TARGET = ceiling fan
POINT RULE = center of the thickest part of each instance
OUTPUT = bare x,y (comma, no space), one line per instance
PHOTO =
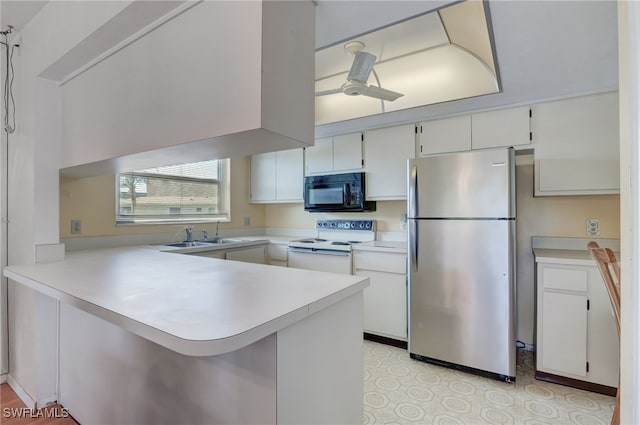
358,76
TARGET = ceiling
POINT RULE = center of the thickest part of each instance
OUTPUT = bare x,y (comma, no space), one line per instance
544,49
435,57
18,13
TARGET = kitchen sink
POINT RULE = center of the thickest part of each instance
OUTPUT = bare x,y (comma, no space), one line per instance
220,241
186,244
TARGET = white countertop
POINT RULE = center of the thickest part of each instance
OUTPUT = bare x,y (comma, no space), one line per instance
565,256
192,305
382,246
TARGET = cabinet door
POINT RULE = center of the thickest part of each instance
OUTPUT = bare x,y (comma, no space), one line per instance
505,127
319,158
564,333
385,304
289,176
263,177
347,152
445,135
220,254
255,254
577,146
386,152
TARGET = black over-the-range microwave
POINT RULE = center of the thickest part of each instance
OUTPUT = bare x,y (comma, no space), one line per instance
336,193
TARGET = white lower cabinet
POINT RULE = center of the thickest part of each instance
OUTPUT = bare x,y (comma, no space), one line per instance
277,254
576,333
254,254
218,253
385,300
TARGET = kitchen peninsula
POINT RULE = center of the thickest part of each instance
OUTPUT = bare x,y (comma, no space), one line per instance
146,336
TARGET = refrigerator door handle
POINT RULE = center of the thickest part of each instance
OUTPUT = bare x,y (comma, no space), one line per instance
413,244
413,191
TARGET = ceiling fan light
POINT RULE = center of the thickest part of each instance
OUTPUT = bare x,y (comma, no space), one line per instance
353,88
361,67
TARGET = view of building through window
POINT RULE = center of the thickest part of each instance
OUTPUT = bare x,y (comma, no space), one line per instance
187,192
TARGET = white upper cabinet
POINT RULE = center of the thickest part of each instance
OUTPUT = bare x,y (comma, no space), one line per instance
577,146
289,175
263,177
386,152
444,135
347,152
277,176
504,127
334,155
319,158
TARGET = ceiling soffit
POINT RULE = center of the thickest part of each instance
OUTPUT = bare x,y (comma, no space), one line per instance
436,57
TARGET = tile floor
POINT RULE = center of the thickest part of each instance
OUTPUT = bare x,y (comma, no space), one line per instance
399,390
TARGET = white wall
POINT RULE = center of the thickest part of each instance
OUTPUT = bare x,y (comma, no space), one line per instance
34,152
196,85
171,86
629,48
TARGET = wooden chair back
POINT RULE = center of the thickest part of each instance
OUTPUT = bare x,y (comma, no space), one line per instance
610,271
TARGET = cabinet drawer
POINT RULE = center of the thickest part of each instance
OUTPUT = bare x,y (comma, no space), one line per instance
220,253
380,261
277,252
565,279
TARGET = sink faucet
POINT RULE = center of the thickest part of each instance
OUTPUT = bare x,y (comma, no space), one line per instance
205,235
189,231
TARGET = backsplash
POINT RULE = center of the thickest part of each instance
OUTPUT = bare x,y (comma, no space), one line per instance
387,216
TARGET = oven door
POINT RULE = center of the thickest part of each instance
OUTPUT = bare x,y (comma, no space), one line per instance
320,260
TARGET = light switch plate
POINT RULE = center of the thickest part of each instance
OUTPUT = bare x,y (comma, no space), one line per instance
593,226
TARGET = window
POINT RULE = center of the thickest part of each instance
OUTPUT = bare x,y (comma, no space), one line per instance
193,192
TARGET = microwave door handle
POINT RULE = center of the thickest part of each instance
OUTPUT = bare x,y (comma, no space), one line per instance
346,195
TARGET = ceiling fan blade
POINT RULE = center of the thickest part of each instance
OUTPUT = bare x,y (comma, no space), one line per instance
361,67
380,93
326,92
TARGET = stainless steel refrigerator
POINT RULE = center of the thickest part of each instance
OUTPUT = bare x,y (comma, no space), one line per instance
461,225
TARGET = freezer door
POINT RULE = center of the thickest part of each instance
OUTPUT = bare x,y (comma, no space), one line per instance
466,184
461,293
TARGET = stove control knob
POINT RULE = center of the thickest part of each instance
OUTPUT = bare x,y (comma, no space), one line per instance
353,225
368,225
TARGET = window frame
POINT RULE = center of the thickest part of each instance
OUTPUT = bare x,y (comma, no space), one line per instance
224,189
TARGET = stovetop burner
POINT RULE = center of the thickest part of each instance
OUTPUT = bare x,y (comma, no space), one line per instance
314,240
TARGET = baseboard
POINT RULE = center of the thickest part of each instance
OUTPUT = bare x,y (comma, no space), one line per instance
3,378
21,393
576,383
47,401
385,340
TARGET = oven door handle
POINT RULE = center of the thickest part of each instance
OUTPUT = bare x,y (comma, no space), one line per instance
320,251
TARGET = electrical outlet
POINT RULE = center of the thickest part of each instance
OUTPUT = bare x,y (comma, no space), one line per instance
593,226
76,227
247,220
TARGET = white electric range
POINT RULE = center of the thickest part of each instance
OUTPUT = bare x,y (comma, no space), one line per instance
330,250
